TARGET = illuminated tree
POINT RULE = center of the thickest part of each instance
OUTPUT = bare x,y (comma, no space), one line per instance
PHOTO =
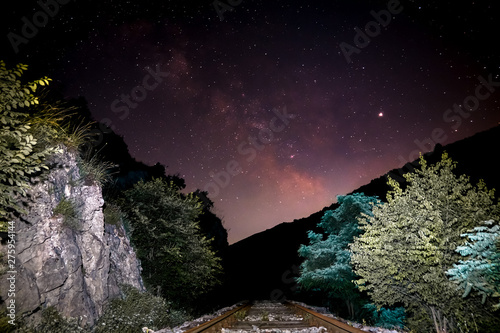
327,266
480,272
409,243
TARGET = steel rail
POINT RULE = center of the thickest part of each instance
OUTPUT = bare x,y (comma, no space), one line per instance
223,321
314,318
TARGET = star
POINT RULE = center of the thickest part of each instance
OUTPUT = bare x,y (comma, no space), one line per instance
220,93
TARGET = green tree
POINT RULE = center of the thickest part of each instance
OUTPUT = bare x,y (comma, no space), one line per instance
327,265
481,271
176,260
21,155
409,243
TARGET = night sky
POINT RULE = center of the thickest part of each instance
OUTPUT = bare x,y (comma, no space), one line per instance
274,107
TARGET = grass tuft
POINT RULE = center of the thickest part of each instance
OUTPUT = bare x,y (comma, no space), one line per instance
67,209
95,170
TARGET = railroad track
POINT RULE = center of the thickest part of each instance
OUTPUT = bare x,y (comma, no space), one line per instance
273,317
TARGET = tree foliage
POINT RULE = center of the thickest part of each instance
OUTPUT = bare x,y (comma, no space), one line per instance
409,243
176,260
386,318
21,155
481,271
327,266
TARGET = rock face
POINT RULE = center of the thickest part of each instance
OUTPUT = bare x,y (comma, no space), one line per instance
70,260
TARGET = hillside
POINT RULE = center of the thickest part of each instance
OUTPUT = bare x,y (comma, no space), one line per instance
263,265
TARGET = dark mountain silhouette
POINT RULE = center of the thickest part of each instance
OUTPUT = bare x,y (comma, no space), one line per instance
263,265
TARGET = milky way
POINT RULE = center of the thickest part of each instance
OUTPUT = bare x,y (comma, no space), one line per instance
282,105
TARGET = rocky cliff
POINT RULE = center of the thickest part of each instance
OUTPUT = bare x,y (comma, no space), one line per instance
66,256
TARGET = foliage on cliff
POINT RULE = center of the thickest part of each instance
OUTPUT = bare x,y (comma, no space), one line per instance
21,155
31,130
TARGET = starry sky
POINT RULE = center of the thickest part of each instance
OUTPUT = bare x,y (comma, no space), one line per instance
273,107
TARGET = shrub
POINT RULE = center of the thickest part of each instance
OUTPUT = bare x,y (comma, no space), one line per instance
386,318
21,155
53,322
112,214
136,310
3,263
5,326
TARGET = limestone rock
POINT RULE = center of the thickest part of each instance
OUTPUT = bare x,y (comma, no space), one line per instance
76,267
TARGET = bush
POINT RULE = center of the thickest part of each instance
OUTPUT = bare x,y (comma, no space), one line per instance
386,318
53,322
21,155
112,215
4,323
3,264
136,310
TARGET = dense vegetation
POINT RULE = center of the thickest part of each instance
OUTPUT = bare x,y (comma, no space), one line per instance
176,259
22,153
431,248
327,270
